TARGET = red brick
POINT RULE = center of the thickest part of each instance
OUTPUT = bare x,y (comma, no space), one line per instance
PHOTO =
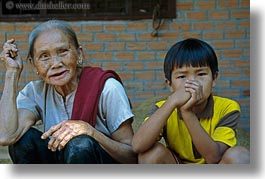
2,39
93,28
169,36
76,28
124,56
7,27
112,65
18,37
225,25
245,3
223,44
244,24
145,75
213,35
246,53
180,26
196,15
184,6
94,46
232,53
158,45
156,85
133,85
22,27
222,83
243,44
137,26
205,5
224,64
22,46
219,15
105,37
126,75
229,93
228,4
203,26
242,63
115,46
136,46
115,27
102,56
240,14
154,65
246,93
235,34
241,83
244,102
186,35
134,65
126,37
145,37
82,37
146,56
160,74
161,55
247,73
232,73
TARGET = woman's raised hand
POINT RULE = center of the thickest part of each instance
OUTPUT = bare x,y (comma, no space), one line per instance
10,56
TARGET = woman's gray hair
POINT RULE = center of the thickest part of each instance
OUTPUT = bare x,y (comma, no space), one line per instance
48,25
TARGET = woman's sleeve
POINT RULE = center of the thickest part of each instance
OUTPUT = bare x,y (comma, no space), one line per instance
26,100
114,105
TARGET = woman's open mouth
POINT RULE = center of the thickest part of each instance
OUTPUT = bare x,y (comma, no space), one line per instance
58,76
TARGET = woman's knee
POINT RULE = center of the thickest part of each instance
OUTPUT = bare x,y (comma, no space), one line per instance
81,149
236,155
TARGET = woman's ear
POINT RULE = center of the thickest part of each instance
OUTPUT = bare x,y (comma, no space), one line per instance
31,61
215,78
81,53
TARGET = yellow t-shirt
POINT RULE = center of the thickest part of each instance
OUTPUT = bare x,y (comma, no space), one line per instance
219,120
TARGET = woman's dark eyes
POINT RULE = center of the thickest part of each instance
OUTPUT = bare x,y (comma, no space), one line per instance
63,52
44,57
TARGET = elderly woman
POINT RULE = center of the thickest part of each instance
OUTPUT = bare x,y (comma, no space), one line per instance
85,111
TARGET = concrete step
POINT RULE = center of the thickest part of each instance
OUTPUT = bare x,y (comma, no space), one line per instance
4,156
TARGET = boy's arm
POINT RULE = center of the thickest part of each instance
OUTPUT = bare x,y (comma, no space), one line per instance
149,131
210,150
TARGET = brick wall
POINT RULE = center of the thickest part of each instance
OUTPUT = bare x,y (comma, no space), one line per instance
128,48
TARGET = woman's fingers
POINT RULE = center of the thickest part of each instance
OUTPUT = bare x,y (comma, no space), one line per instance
10,49
63,132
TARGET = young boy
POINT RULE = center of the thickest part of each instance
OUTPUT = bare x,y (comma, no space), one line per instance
197,126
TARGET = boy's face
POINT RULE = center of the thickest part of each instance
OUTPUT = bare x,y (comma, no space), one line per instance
200,75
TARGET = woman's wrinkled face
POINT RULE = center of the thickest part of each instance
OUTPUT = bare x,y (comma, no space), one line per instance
55,58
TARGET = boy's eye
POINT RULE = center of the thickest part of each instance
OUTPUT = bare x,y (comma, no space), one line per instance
202,74
181,76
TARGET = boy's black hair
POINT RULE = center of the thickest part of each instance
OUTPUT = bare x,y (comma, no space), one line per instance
190,52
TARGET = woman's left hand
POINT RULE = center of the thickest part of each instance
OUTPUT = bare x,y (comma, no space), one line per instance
63,132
